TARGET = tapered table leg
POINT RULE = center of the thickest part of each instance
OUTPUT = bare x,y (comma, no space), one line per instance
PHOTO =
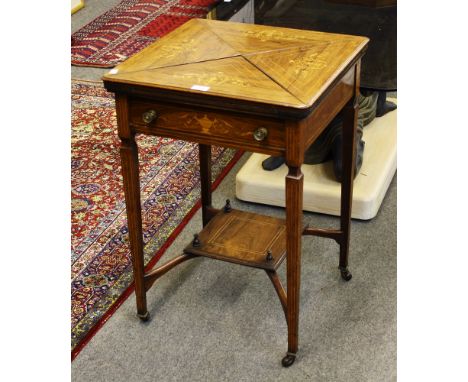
294,227
350,113
204,152
131,182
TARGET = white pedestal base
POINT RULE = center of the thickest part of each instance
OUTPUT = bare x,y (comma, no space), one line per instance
321,191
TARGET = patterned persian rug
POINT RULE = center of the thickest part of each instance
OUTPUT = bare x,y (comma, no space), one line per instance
101,273
129,27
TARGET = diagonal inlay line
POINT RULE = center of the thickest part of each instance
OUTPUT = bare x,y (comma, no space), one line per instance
272,79
246,56
255,66
284,75
223,50
174,65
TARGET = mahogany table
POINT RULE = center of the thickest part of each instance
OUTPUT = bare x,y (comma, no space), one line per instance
250,87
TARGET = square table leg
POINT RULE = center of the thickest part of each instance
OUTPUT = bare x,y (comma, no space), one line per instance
294,228
131,182
204,154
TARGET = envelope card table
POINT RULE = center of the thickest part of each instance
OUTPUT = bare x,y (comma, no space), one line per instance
250,87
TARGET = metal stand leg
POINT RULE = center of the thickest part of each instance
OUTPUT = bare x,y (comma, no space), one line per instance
350,113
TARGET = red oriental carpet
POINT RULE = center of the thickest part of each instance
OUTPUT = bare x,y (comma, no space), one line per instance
101,274
129,27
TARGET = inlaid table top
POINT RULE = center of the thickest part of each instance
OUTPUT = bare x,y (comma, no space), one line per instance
283,67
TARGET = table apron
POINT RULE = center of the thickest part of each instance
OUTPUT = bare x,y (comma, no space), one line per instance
207,126
212,140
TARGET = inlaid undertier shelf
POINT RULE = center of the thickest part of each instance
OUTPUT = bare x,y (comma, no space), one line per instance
237,237
242,238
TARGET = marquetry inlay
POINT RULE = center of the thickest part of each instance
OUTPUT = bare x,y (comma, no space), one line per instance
278,66
244,238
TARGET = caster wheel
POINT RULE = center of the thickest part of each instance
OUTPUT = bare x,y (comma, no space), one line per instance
345,274
288,360
144,317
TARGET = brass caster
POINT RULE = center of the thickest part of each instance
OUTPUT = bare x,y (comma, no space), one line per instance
288,360
345,274
144,317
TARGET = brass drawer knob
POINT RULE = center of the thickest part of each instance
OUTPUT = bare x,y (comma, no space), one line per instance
149,116
260,134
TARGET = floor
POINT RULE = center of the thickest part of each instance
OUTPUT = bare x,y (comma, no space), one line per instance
213,321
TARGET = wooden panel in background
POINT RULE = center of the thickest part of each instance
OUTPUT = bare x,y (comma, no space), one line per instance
367,3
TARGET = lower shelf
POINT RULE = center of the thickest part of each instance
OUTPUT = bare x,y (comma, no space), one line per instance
243,238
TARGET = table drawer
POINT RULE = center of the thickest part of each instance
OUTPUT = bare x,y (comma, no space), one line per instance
209,127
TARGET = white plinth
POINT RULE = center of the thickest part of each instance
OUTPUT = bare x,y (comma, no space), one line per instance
76,5
321,191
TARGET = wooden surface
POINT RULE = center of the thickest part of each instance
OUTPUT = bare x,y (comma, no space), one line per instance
276,66
243,238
